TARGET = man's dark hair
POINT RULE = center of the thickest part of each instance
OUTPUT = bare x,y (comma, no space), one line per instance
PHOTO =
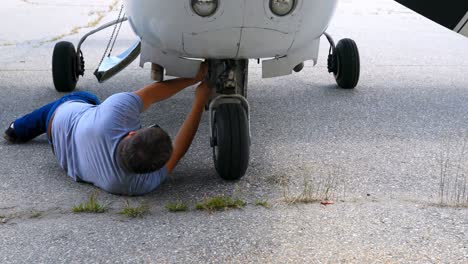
146,151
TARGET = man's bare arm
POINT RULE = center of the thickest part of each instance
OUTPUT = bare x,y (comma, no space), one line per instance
157,92
189,128
163,90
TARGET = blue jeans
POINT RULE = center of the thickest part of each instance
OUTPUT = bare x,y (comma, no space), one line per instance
36,122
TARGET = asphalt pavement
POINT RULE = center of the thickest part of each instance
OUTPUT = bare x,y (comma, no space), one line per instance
378,152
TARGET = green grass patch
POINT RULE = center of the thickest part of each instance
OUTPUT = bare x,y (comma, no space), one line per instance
178,206
135,212
91,206
36,215
218,203
308,195
262,203
7,44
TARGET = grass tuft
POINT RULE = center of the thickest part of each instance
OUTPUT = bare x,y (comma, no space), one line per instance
7,44
218,203
135,212
308,195
36,215
263,203
91,206
322,183
178,206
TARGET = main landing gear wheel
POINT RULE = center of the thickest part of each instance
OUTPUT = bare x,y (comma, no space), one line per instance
65,67
345,64
231,141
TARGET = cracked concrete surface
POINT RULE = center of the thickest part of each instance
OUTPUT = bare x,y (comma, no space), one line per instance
31,21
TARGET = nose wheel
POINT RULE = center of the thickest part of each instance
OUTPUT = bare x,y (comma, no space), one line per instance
230,140
344,62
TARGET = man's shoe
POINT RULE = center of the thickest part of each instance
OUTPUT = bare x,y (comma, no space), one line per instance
10,134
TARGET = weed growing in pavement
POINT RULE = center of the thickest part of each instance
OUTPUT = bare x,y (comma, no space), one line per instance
218,203
91,206
134,212
263,203
36,215
308,195
453,178
321,188
7,44
178,206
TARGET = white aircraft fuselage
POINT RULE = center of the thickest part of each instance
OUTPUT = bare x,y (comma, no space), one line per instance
173,34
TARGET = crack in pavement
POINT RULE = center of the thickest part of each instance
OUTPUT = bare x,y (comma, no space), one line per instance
100,14
29,2
58,212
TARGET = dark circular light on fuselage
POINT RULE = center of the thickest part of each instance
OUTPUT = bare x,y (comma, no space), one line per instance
282,7
204,8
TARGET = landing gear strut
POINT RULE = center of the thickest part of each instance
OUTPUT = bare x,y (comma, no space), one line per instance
68,64
229,118
344,62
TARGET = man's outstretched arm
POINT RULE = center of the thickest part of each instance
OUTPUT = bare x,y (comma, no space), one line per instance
157,92
189,128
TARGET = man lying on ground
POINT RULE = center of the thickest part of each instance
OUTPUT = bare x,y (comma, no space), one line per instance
104,144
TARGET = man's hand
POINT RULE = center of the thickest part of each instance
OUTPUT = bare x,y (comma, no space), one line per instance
202,72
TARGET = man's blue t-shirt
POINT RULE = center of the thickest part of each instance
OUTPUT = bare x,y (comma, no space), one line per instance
85,139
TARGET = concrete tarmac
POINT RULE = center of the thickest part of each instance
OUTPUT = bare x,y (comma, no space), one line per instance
380,150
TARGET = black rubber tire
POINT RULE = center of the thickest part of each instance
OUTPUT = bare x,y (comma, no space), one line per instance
232,141
64,64
348,64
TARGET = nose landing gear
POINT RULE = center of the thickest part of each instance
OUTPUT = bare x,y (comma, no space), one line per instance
229,118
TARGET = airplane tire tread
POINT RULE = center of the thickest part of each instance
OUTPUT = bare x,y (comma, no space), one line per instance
348,70
232,140
64,67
